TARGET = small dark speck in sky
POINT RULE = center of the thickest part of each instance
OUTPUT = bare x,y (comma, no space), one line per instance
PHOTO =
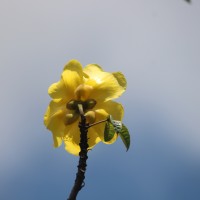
189,1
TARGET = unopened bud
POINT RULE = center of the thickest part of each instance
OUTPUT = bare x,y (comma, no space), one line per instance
70,118
83,91
90,103
90,117
72,105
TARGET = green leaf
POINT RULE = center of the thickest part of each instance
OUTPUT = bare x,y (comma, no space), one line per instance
109,132
113,126
125,136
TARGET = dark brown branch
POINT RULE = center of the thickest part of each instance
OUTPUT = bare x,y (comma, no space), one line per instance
80,176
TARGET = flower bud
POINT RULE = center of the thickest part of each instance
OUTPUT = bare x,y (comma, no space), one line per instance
70,118
89,104
72,105
90,117
83,91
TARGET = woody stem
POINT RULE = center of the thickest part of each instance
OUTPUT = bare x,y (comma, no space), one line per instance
80,176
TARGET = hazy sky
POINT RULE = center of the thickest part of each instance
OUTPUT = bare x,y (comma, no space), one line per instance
156,44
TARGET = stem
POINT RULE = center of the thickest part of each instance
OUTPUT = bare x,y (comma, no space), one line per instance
97,123
80,176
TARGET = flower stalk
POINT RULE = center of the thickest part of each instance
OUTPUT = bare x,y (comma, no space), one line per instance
80,176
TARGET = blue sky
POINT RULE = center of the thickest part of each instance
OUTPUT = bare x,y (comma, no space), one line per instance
155,44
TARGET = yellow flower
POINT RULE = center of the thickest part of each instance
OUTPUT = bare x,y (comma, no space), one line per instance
94,89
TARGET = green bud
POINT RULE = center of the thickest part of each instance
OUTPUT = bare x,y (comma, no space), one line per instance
89,104
70,118
72,105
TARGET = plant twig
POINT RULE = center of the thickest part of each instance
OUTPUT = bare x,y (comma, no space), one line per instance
80,176
97,123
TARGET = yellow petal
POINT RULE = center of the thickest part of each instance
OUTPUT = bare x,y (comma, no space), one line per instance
121,79
58,90
73,65
92,68
72,132
56,125
72,76
54,108
57,141
93,138
54,119
72,147
101,114
72,139
108,108
105,86
112,108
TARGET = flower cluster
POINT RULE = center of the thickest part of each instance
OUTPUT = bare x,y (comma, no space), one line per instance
95,90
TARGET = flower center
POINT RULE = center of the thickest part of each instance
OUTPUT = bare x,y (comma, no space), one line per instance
82,101
87,105
74,106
